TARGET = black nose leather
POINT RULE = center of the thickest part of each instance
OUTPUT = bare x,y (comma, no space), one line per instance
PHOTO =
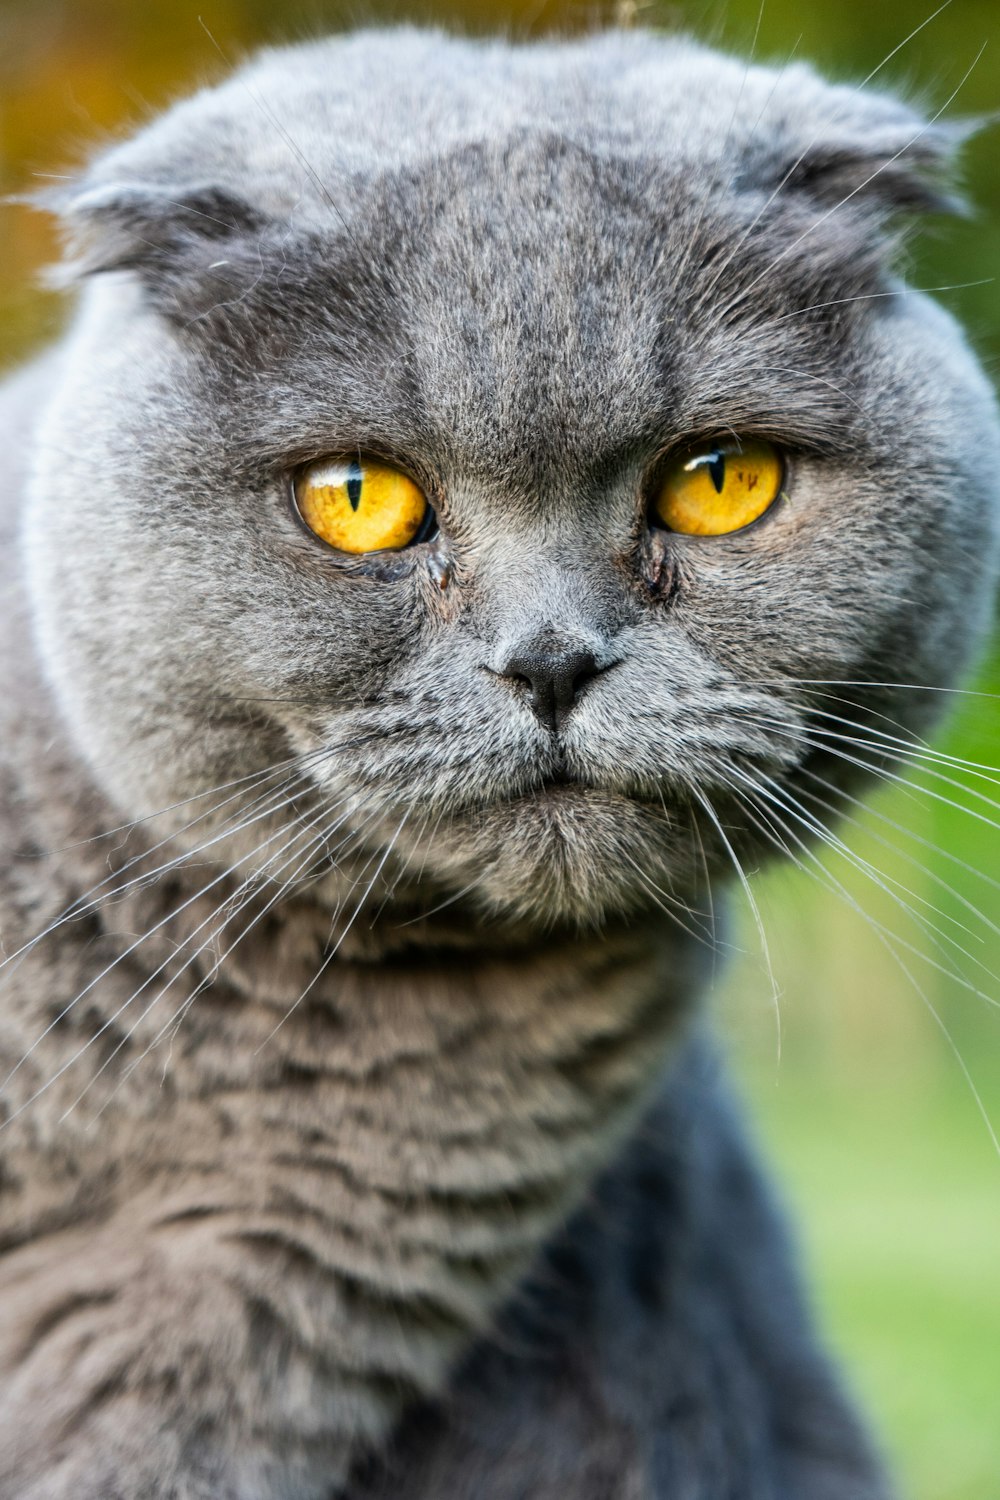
553,678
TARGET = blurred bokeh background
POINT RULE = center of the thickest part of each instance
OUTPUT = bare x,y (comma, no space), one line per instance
877,1105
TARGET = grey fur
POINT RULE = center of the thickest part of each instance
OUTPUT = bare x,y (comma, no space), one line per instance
337,1241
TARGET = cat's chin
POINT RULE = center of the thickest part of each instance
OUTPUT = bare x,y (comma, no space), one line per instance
563,853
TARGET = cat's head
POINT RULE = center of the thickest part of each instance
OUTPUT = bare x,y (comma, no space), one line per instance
632,458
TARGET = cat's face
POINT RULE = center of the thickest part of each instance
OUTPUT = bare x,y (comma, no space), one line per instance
534,283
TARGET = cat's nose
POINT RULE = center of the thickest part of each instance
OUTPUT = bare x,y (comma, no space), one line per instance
553,679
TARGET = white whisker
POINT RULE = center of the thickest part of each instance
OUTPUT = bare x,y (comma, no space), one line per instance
752,901
334,950
127,952
889,940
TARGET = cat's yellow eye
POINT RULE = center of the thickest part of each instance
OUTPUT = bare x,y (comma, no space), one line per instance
720,487
357,505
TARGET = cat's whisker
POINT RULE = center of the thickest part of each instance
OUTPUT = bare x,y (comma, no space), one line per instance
889,940
355,843
945,943
874,812
336,946
799,373
679,270
442,905
671,906
173,1024
96,895
242,782
708,916
910,834
913,752
871,682
130,1032
782,797
825,805
289,140
953,1046
107,891
752,902
266,875
868,711
899,291
247,889
896,849
713,925
828,740
81,1051
112,1019
906,733
137,943
911,745
907,744
428,843
948,970
751,792
230,911
418,840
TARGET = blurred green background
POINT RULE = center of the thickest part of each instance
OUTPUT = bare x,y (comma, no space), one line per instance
870,1107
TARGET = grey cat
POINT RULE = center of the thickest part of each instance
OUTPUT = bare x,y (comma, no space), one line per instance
468,470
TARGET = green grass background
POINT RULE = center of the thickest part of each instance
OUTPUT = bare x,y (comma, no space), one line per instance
867,1111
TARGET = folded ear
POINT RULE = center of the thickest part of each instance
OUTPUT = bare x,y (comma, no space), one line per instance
871,151
186,246
896,176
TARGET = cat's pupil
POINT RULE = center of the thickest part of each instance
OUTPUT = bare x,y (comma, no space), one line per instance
717,469
354,485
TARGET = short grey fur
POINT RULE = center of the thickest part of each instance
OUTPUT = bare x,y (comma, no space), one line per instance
361,1136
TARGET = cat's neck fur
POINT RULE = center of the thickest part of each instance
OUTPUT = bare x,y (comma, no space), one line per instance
373,1168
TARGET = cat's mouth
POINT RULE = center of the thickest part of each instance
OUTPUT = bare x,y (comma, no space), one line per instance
558,783
556,779
554,791
558,775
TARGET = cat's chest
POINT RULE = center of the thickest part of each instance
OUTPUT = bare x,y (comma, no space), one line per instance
488,1089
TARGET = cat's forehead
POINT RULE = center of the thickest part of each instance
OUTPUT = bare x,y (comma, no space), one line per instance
534,282
302,124
541,309
538,255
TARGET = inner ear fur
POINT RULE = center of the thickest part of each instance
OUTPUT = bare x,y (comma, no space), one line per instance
913,179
